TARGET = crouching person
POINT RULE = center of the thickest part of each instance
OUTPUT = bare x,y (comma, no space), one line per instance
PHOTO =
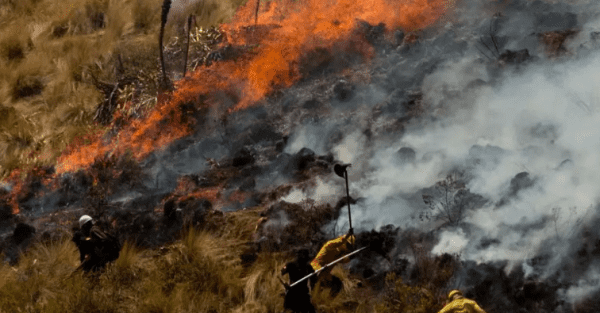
96,248
331,251
459,304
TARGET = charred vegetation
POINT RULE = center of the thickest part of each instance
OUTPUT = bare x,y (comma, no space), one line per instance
192,174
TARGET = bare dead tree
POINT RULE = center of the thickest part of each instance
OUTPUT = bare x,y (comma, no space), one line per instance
495,53
164,16
447,202
191,19
165,13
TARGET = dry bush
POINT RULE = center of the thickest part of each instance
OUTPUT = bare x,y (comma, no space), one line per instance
237,227
27,86
18,141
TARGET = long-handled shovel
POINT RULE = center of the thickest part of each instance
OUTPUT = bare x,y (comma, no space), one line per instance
326,266
340,170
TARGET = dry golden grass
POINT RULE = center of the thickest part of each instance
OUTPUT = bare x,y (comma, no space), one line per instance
202,272
50,49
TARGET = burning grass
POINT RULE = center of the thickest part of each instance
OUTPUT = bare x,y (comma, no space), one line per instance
210,187
49,50
280,48
85,82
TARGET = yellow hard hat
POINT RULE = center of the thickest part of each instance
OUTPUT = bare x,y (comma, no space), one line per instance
454,292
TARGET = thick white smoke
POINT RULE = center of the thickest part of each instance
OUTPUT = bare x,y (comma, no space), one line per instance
321,192
452,242
311,137
295,196
540,118
277,223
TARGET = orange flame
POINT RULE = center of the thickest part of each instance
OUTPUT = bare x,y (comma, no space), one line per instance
301,26
288,29
186,189
21,180
16,190
211,194
161,127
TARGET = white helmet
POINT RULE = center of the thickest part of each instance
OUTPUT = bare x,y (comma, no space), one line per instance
84,219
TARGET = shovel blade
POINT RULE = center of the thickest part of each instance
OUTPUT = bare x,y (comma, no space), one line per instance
339,169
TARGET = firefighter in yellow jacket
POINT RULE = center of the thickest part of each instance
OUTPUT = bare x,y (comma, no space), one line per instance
460,304
331,251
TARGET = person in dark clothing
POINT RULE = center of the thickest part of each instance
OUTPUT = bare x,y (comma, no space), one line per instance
297,298
17,243
96,248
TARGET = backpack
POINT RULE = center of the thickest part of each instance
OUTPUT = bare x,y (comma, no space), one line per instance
111,248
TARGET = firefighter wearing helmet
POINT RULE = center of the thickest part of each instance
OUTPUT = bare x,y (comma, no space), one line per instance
331,251
459,304
96,248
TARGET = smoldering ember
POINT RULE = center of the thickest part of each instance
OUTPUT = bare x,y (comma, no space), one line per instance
470,127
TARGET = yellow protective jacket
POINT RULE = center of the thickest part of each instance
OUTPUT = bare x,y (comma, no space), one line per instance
331,251
462,305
